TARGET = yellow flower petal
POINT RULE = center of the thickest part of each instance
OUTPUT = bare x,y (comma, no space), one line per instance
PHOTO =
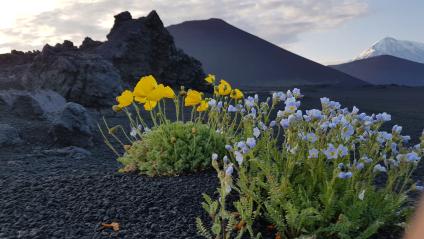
193,98
169,93
210,79
125,99
146,85
203,106
236,94
140,100
157,94
150,105
224,88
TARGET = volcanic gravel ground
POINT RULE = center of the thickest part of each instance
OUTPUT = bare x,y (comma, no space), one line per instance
75,206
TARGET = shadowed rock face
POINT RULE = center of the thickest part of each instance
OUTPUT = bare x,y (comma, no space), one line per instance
94,73
143,46
78,76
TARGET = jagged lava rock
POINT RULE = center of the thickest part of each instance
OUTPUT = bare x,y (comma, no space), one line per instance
9,136
143,46
74,126
78,76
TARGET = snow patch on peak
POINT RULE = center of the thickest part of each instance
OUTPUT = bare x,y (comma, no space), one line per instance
410,50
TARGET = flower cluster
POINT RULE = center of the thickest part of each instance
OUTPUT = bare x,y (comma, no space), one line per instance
312,173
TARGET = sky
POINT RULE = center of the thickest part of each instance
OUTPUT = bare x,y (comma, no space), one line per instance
326,31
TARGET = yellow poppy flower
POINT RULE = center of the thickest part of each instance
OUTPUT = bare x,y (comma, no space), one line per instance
144,87
125,99
224,88
210,79
150,105
203,106
193,98
236,94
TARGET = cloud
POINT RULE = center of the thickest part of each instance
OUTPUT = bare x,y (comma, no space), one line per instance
279,21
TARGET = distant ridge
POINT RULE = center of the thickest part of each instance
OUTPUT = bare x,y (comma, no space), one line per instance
385,70
247,60
409,50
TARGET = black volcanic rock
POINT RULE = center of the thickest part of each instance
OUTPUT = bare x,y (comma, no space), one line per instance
246,60
74,126
78,76
89,44
143,46
385,70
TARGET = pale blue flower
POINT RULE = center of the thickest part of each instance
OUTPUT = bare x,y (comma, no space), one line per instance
229,170
272,124
347,131
241,144
225,159
366,159
296,92
324,101
397,129
249,101
251,142
239,157
214,156
231,108
384,117
331,152
341,166
359,166
212,103
280,114
345,175
311,137
412,157
219,105
313,114
393,146
313,153
342,151
279,95
228,147
355,110
262,125
133,132
379,168
253,112
256,132
285,123
406,138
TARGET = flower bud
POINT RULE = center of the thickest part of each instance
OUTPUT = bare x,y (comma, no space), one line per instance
193,130
127,147
116,108
173,140
113,129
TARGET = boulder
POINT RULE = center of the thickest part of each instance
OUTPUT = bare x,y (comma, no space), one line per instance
81,77
9,136
74,126
40,104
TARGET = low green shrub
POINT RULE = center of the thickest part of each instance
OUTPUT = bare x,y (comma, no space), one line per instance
174,148
328,173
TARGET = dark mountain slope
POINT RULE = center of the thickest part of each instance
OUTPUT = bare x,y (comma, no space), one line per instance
247,60
384,70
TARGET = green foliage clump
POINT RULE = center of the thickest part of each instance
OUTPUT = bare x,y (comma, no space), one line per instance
322,173
174,148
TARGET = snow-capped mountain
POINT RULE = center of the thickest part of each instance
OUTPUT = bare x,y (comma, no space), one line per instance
410,50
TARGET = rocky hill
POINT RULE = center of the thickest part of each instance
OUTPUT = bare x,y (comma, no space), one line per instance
93,73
